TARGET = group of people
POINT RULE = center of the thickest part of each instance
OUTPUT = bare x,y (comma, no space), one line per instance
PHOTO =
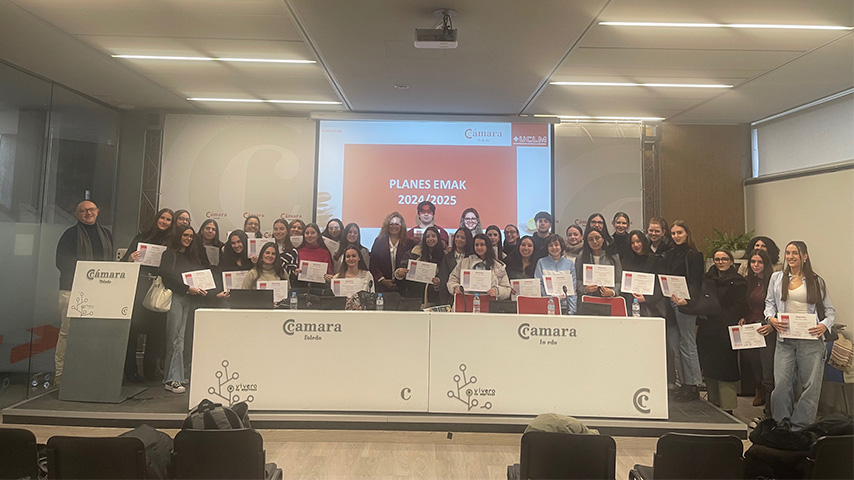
698,349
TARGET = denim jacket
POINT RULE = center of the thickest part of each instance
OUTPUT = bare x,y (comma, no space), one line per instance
774,303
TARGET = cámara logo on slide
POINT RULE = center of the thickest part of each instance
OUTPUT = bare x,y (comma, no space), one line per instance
471,133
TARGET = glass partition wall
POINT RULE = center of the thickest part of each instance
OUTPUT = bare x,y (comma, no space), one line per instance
56,149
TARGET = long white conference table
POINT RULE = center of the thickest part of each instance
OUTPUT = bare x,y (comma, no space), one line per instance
420,362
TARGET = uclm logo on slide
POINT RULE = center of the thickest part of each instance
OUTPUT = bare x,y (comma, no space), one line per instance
530,135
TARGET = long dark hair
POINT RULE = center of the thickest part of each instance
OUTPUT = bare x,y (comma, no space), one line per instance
500,247
469,247
216,242
246,222
767,269
587,252
154,235
342,270
344,244
689,240
278,267
814,283
229,256
634,260
178,213
489,257
320,242
608,240
287,246
773,249
340,229
194,251
433,254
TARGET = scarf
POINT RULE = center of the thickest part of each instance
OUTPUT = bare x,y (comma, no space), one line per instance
84,243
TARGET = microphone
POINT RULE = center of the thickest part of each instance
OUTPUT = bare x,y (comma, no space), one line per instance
565,291
370,285
465,304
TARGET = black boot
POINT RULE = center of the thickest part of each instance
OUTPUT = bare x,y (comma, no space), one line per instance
687,393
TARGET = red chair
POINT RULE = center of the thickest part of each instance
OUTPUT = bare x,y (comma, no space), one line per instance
536,305
466,306
617,304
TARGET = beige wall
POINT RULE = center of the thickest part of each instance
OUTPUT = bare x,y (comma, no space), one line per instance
703,169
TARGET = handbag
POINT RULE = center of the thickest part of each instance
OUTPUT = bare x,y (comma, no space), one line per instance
706,301
158,298
841,354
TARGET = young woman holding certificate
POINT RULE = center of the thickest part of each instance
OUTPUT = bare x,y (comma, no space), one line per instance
594,254
684,260
252,226
462,245
717,358
760,359
183,255
429,250
352,236
521,263
234,255
555,261
796,291
641,259
297,227
268,268
313,249
287,252
483,259
353,266
494,234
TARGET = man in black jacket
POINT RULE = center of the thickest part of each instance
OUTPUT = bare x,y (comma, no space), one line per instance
87,240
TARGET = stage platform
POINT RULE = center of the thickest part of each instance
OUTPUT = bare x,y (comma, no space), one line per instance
162,409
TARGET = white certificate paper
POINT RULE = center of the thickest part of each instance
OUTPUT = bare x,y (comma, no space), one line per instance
674,285
555,281
476,280
149,254
213,254
638,282
525,287
312,271
254,247
296,240
421,272
799,325
200,279
344,287
745,336
279,288
601,275
233,280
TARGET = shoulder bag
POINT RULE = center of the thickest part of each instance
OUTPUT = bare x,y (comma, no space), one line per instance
158,298
705,302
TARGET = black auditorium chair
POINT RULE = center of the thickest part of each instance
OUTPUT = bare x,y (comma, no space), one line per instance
391,300
502,306
832,457
214,454
548,455
333,303
687,455
409,305
95,458
19,455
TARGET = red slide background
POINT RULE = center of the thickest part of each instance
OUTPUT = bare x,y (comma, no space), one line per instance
489,172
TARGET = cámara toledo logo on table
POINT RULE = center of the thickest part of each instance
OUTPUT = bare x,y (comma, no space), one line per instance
105,276
526,331
311,330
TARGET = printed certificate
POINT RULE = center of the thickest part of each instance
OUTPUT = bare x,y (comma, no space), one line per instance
525,287
255,245
312,271
150,254
476,280
601,275
799,325
344,287
555,281
279,288
233,280
674,285
745,336
200,279
213,254
638,283
421,272
296,240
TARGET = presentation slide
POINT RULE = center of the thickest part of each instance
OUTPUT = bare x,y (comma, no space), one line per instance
368,169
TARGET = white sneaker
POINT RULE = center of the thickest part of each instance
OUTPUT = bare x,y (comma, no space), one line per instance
175,387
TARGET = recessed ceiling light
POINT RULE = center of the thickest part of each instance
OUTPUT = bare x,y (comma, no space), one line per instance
726,25
211,59
627,84
255,100
402,86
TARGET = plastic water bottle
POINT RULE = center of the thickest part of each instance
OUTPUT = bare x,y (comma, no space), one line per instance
380,301
551,306
635,308
293,305
475,304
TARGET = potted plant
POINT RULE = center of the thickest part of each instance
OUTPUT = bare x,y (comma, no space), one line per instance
733,243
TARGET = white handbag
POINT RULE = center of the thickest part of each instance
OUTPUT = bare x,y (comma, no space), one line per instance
159,298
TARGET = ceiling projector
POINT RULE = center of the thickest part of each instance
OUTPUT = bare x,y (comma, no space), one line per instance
435,38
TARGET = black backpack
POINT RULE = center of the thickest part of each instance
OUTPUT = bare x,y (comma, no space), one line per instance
214,416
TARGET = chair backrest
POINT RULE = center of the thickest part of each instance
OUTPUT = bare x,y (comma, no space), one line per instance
19,455
463,303
502,306
686,455
96,458
212,454
617,304
333,303
548,455
536,305
832,457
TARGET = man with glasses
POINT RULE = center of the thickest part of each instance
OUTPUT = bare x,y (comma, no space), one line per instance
541,236
426,218
87,240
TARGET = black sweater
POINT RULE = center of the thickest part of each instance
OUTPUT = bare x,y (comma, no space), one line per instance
173,264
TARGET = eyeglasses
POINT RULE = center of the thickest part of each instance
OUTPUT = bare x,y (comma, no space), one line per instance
87,210
721,259
597,222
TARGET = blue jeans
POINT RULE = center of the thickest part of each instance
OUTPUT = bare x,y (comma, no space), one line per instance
682,337
176,329
797,361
